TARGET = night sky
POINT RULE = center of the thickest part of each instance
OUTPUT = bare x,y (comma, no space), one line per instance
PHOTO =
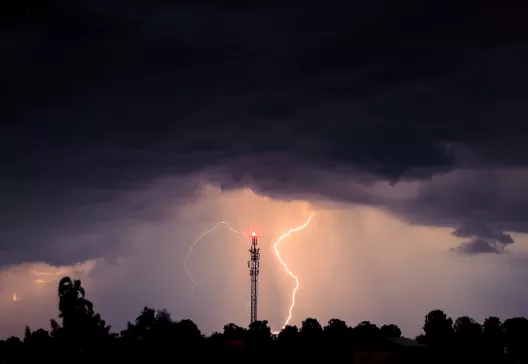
130,127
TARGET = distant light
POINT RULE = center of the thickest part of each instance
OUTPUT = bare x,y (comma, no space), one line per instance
253,234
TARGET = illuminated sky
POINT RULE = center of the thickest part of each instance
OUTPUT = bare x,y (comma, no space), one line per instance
131,129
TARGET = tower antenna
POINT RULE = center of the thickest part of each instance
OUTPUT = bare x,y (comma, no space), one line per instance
253,265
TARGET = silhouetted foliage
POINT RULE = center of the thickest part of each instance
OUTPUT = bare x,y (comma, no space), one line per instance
234,332
155,337
493,337
468,331
365,330
390,331
73,306
289,335
336,328
311,328
259,331
258,336
438,329
515,333
468,338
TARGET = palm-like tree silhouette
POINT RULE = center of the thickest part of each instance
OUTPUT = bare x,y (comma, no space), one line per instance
73,307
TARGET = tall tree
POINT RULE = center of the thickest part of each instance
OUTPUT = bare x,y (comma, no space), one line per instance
515,332
336,334
493,337
84,331
468,335
467,328
438,329
311,335
73,306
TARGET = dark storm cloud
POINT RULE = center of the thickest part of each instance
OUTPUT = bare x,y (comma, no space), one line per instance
480,203
469,229
102,98
477,246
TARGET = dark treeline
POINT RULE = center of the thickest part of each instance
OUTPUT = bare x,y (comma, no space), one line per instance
84,337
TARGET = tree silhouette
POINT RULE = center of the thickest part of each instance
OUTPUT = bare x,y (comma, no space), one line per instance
515,330
55,328
336,334
73,306
258,336
390,330
151,325
467,330
144,323
468,337
84,337
163,317
493,338
365,330
234,332
83,332
36,344
13,349
336,328
311,328
187,333
438,329
288,335
311,334
259,331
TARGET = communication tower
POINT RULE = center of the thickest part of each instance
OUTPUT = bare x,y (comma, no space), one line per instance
253,265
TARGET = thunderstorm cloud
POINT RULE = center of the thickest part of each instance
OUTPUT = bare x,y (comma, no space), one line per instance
120,118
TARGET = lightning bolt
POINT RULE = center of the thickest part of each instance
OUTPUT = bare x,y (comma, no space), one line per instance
196,242
42,281
246,308
275,248
50,274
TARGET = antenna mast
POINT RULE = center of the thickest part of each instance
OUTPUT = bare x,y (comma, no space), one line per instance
253,265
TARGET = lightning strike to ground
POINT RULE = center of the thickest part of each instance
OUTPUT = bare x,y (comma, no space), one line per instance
196,242
275,248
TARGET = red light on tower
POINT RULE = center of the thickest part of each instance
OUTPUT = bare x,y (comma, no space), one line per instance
253,234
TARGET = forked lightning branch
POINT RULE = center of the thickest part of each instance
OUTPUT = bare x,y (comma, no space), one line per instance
254,265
